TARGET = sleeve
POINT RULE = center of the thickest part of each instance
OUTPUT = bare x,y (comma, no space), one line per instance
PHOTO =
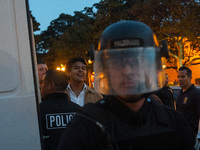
198,103
81,134
188,138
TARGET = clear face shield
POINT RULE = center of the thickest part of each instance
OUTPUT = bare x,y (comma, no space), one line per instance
128,71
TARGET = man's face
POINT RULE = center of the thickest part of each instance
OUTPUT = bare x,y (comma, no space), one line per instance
42,68
78,72
166,80
123,76
45,88
183,80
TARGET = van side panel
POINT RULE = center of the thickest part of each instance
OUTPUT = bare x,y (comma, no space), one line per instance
19,128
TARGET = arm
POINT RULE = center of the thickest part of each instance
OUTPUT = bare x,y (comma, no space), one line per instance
81,134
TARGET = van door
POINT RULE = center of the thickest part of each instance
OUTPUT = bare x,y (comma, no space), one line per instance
19,125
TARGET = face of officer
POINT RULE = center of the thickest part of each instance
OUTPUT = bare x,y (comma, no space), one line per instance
77,72
184,80
166,80
42,68
123,77
46,87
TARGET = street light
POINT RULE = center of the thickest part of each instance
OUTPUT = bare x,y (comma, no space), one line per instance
62,68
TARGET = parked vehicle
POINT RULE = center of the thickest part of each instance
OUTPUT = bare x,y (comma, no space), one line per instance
176,90
19,98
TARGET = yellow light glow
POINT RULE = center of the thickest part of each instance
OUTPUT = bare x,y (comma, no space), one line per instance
102,75
62,68
164,66
89,61
58,68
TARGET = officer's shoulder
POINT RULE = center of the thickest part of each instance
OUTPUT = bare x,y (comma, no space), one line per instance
168,110
196,90
72,104
98,105
94,110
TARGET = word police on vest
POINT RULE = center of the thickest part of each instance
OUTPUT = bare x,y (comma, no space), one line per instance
59,120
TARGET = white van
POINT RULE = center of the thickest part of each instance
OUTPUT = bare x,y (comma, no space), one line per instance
19,92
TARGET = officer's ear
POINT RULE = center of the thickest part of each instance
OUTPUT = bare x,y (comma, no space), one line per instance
51,85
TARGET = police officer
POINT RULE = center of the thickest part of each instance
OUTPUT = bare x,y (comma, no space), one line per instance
127,69
56,109
166,94
188,100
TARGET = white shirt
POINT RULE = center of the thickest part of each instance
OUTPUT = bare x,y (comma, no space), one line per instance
80,99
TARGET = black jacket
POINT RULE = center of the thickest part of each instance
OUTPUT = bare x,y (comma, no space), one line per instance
56,112
109,124
188,103
166,96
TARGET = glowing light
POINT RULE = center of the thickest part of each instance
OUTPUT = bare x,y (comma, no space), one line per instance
102,75
62,68
164,66
89,61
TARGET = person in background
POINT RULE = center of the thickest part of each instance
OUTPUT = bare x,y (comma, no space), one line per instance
56,109
77,90
188,100
42,68
128,118
166,94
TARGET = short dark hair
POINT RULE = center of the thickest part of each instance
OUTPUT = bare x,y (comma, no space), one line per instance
59,78
189,72
73,61
40,62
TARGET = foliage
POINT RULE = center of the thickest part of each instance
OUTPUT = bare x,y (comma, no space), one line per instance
108,12
174,21
35,23
66,37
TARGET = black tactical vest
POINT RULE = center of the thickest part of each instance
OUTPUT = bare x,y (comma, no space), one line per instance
156,134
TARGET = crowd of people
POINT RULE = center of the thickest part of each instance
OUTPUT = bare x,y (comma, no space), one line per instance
122,112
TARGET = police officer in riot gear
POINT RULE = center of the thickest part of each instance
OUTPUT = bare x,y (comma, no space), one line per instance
128,68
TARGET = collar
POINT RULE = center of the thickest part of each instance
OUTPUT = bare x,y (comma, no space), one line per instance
56,96
84,87
121,110
189,89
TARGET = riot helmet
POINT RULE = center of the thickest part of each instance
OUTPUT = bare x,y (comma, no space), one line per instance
128,60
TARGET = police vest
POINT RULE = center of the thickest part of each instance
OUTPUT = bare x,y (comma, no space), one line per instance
155,134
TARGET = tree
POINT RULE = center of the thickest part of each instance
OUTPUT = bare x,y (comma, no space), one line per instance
108,12
67,37
35,23
177,22
35,28
54,31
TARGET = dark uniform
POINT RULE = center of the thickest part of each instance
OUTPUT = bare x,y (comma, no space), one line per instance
56,112
188,103
166,96
110,124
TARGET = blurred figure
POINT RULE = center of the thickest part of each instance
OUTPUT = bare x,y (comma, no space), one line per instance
166,94
188,100
77,90
127,70
42,68
56,109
